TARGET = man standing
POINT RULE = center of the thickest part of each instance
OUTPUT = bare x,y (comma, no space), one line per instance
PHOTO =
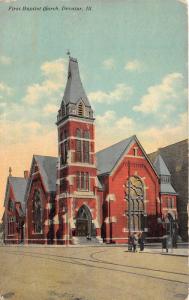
135,242
141,240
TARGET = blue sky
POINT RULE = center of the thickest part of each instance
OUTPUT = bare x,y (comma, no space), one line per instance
133,62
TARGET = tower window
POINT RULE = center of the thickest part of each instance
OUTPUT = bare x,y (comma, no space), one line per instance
86,151
78,151
82,147
65,134
82,181
78,180
64,152
78,132
80,110
86,134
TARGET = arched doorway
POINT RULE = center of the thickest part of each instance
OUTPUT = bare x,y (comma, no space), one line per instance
84,222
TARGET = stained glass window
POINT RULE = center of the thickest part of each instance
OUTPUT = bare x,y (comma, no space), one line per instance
37,212
135,196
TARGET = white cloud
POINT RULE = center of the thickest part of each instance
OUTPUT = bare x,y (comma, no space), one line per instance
18,131
108,116
54,70
156,137
120,93
134,65
183,2
125,123
55,74
111,129
5,60
5,89
3,104
19,151
50,108
109,64
162,96
7,1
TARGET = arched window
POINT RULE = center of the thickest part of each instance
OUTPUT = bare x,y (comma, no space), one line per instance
64,152
78,145
82,181
135,196
37,212
80,109
86,134
78,133
86,151
78,151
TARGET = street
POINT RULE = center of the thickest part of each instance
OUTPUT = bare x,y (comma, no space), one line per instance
90,273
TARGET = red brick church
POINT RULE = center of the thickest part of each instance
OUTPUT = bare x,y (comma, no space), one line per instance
86,196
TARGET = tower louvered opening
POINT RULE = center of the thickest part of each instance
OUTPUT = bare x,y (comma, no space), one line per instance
80,109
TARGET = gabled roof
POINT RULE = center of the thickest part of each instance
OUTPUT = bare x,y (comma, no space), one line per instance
160,166
47,169
19,188
108,157
74,90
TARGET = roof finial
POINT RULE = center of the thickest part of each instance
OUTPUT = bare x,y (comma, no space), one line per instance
10,171
68,53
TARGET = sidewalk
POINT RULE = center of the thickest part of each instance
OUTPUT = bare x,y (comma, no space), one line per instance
174,252
153,249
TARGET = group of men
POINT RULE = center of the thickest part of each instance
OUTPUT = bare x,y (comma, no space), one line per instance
135,240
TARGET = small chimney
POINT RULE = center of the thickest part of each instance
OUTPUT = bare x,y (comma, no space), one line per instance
26,174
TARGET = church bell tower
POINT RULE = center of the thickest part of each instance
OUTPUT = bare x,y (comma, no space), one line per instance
77,196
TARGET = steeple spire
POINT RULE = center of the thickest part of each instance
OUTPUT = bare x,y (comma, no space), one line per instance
74,90
75,101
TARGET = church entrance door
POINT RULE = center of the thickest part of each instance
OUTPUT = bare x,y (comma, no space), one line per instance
83,222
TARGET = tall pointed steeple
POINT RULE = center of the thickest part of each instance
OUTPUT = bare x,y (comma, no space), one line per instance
75,101
76,168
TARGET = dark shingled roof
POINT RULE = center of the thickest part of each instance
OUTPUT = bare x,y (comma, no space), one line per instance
107,158
74,89
47,168
19,188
